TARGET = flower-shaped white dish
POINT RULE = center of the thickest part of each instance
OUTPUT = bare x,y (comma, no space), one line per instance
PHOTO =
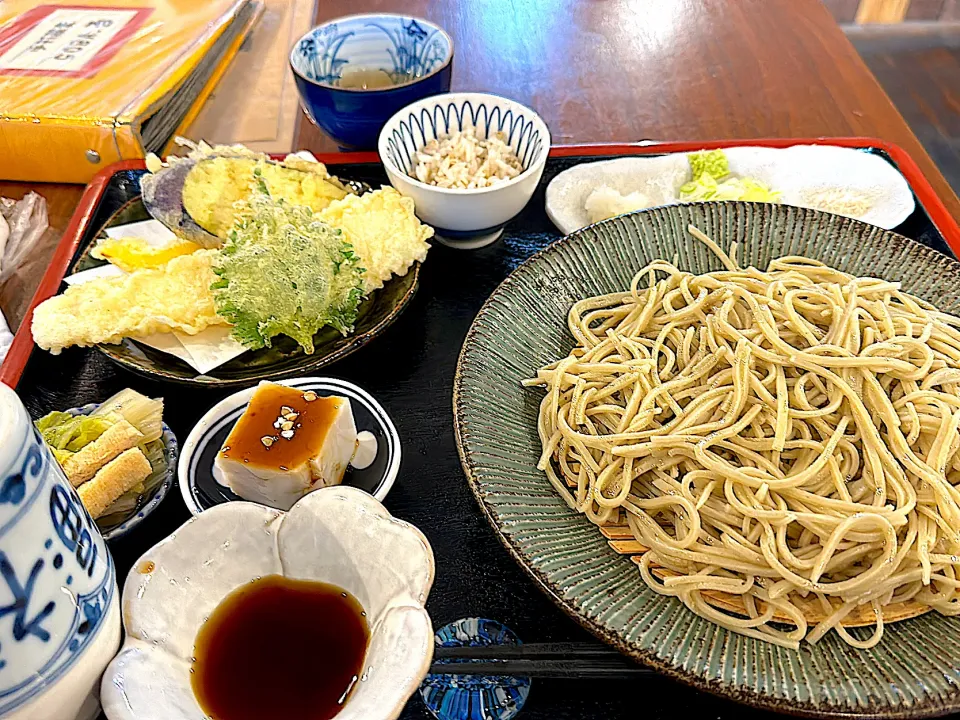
338,535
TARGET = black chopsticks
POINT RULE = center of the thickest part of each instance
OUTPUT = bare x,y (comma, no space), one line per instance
555,660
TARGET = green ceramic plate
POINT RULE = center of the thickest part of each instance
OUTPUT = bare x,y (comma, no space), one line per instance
913,672
284,359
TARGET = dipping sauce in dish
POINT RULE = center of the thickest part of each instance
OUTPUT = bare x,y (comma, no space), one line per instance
280,648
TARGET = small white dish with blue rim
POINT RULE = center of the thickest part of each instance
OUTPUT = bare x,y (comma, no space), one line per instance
115,527
200,486
465,218
59,601
413,55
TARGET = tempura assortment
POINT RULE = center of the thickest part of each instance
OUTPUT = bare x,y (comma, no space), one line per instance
266,247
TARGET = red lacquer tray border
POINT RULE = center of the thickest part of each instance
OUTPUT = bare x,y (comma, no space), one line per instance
22,345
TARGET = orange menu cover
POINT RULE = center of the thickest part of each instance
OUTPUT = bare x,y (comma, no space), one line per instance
81,81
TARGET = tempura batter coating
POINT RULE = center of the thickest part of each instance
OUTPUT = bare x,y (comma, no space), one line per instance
174,297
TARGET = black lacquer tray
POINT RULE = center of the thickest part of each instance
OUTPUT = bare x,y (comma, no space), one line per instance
410,370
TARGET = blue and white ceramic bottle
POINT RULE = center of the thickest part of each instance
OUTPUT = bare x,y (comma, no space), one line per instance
59,602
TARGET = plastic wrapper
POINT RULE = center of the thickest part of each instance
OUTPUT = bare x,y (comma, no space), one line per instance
23,225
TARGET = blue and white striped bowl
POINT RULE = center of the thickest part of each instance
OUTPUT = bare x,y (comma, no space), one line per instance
415,53
465,218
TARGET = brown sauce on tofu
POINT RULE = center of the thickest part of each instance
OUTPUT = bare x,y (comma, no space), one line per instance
282,427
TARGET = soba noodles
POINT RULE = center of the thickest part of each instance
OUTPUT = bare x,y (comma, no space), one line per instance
783,438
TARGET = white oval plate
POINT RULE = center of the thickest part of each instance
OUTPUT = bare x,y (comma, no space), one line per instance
794,172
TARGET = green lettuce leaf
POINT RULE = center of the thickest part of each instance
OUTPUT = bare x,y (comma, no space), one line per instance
703,187
282,271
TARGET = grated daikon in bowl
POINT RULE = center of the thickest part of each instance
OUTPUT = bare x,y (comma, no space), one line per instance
464,161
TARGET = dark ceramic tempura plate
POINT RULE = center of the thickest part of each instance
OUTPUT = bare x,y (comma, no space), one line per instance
284,359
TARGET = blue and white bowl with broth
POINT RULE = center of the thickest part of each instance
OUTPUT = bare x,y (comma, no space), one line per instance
354,72
465,218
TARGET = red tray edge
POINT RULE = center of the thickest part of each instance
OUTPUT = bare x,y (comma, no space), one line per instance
19,352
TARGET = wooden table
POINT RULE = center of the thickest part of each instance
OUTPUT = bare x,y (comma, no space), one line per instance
627,70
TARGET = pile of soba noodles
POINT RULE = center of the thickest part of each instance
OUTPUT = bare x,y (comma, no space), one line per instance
783,441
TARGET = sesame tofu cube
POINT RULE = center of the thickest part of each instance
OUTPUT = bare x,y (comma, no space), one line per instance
276,463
